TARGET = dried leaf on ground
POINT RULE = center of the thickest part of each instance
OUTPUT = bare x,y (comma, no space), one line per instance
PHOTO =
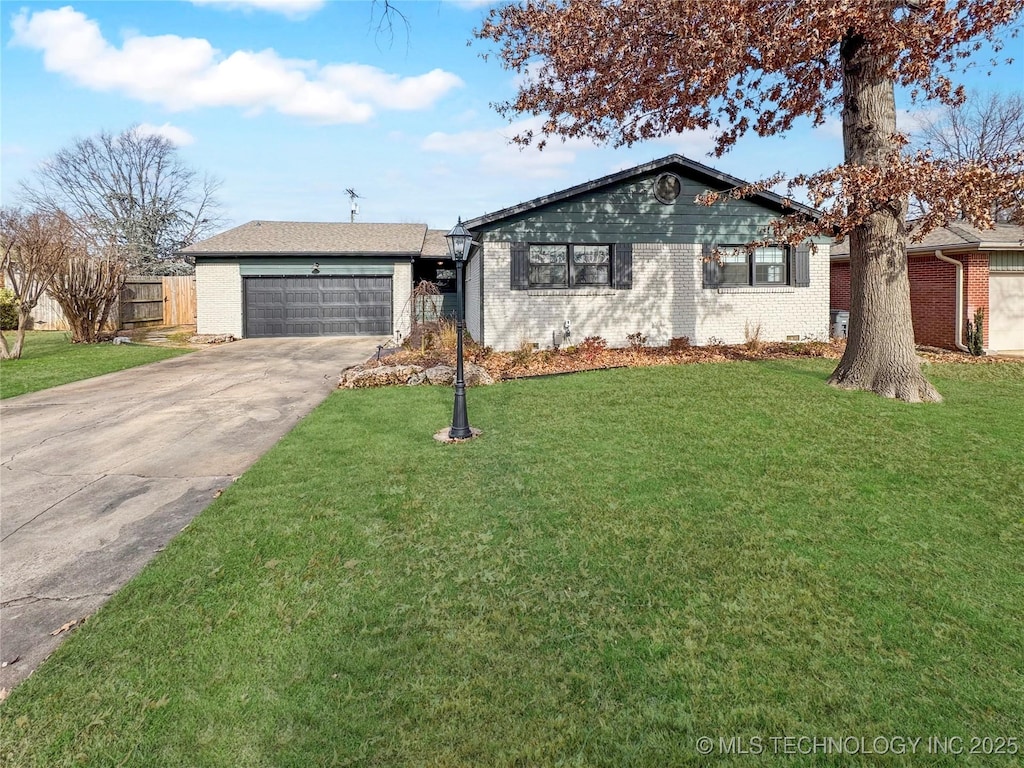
68,626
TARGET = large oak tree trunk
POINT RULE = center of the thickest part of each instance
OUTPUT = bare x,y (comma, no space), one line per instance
880,355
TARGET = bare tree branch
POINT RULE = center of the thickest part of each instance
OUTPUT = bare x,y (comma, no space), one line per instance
34,247
133,190
985,129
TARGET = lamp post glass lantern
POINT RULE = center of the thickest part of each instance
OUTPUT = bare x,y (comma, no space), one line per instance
459,242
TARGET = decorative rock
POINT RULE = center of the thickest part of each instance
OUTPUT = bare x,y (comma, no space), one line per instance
122,340
209,338
440,374
476,376
410,375
386,375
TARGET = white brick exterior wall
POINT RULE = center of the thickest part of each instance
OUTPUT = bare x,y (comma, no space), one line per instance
666,301
218,299
401,290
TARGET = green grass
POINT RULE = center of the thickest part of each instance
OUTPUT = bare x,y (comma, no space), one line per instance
49,359
625,561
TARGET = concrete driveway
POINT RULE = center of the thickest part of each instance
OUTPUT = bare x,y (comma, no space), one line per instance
97,476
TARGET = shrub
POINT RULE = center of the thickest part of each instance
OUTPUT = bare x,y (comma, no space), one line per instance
976,334
679,344
636,340
752,336
592,345
8,310
524,354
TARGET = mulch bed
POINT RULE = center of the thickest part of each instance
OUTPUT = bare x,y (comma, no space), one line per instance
503,366
523,364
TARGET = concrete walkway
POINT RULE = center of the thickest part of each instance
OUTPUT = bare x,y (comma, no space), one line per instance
97,476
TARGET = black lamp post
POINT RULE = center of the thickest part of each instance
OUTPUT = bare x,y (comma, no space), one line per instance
459,243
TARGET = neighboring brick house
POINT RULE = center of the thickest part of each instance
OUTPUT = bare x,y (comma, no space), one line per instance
991,267
630,253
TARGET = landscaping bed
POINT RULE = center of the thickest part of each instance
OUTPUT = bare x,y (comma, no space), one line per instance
592,354
409,365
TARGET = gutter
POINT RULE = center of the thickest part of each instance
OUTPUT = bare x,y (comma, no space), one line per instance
959,299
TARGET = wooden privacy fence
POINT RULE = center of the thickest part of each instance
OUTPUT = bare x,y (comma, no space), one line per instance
141,302
144,301
179,300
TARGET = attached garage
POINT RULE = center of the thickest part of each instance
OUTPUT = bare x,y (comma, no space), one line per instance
317,306
287,278
1006,309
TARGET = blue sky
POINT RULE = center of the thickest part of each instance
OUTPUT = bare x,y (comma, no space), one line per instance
290,102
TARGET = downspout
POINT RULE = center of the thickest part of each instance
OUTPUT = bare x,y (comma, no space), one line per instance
959,299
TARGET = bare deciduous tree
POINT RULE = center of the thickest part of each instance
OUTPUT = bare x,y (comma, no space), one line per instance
87,287
622,71
132,190
983,129
34,247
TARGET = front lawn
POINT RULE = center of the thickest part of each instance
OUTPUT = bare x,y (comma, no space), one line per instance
49,359
623,563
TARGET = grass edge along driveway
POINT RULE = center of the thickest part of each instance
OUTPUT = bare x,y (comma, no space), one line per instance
625,562
49,359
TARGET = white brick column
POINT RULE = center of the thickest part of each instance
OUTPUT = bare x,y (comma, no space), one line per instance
218,299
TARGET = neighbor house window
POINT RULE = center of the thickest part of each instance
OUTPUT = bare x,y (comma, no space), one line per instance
566,266
764,266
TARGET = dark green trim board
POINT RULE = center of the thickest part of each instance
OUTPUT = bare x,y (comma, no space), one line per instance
303,265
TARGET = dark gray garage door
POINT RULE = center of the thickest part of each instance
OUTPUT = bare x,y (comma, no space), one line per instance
317,306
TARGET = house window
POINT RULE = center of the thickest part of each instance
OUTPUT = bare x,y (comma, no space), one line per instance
667,188
764,266
565,266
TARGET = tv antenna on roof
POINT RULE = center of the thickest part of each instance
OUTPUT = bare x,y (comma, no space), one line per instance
354,209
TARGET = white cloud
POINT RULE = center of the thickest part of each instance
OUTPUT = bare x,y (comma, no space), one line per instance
907,121
291,8
470,5
188,73
911,121
177,136
390,91
498,154
695,144
832,128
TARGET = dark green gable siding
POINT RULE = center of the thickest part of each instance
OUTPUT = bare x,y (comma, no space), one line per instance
629,213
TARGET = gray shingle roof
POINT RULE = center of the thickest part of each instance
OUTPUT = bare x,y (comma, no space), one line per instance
305,237
957,235
434,244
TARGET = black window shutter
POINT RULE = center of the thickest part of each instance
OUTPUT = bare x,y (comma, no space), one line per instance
802,266
520,266
712,269
622,265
